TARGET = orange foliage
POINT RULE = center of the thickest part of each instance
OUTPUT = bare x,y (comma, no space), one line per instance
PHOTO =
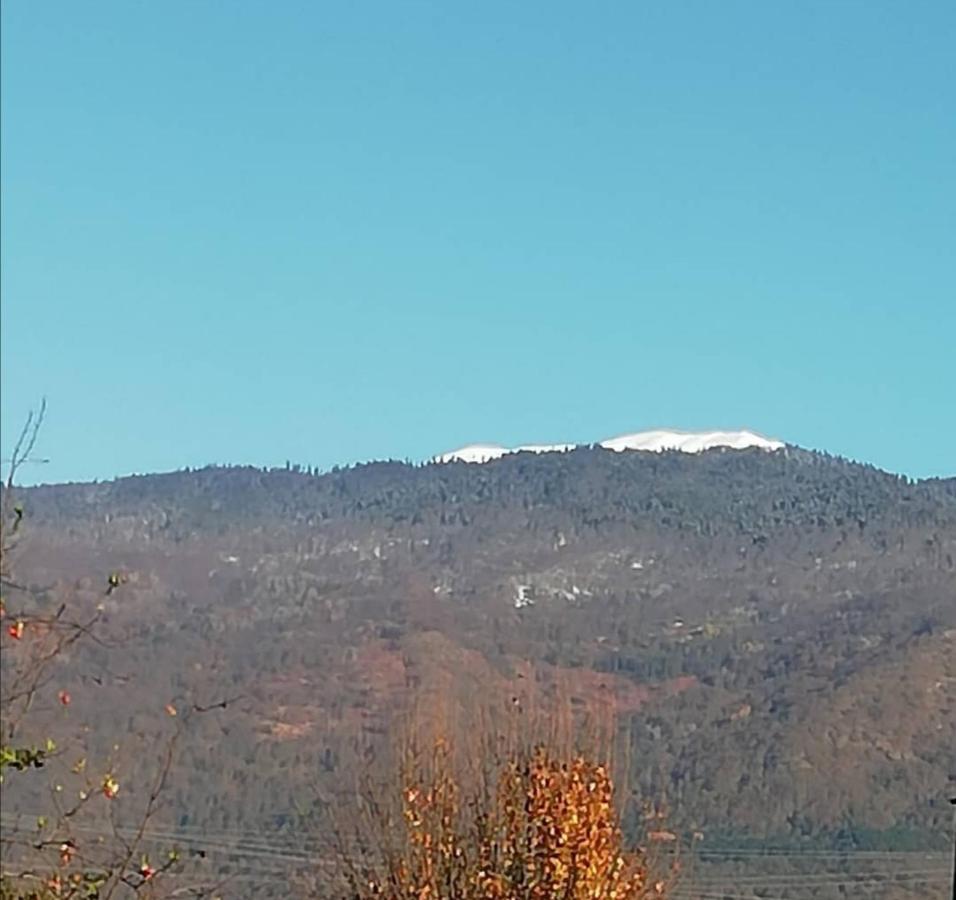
540,828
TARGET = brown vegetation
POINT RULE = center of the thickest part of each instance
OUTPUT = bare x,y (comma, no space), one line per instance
74,847
771,635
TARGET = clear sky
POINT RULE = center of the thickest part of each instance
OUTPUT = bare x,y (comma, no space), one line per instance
326,232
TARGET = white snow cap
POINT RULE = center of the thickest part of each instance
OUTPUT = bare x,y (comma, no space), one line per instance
690,441
481,453
653,441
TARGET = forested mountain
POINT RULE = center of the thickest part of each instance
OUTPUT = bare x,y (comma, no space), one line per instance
773,634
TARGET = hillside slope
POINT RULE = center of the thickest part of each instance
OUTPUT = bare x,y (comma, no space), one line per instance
774,633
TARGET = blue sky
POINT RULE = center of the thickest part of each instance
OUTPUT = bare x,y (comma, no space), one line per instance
259,231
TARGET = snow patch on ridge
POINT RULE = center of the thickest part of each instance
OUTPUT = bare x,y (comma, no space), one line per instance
481,453
649,441
473,453
690,441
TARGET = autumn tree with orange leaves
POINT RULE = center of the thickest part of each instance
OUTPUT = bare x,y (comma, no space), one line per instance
500,819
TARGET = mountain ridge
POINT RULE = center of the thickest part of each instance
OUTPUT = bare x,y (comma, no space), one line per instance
803,604
654,441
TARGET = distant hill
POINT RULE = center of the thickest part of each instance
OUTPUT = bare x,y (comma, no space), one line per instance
775,632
